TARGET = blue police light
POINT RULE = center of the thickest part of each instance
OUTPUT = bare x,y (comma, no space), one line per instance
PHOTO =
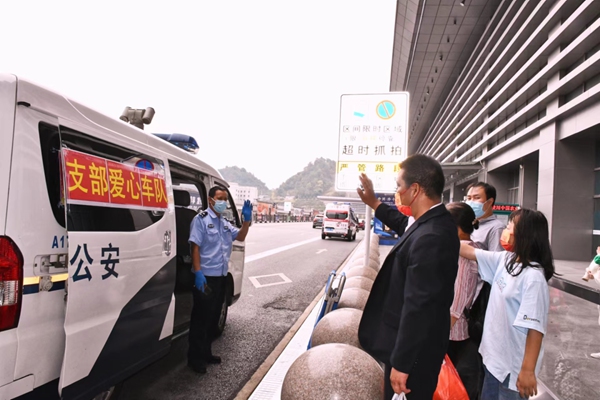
180,140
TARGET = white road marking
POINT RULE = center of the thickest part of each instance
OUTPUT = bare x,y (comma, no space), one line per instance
257,284
321,251
271,252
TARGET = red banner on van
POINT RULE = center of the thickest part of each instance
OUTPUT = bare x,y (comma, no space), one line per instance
95,180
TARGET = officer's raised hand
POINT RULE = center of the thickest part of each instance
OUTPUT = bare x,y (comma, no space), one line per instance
247,211
200,280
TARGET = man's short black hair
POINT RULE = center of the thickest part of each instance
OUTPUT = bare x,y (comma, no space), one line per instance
213,190
490,191
425,171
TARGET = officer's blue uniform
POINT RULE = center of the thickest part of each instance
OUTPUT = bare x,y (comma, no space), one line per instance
214,236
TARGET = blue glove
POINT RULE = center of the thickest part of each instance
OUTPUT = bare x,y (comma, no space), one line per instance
200,281
247,211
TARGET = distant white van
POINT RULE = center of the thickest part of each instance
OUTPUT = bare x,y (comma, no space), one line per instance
95,267
340,221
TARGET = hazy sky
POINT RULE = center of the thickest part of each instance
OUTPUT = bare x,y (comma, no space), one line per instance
257,83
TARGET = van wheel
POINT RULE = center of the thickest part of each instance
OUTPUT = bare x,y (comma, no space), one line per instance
350,236
354,236
222,319
111,394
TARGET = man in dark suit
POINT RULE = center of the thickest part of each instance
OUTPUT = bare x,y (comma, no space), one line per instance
406,321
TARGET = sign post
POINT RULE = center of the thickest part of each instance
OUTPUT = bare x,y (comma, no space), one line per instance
373,138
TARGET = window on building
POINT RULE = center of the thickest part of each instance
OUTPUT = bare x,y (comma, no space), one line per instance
513,187
596,235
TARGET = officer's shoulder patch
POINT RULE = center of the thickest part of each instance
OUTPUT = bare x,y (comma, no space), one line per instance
203,214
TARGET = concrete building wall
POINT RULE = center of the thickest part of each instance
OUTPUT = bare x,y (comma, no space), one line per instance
243,193
535,126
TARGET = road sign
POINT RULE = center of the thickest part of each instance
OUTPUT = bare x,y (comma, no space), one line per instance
372,139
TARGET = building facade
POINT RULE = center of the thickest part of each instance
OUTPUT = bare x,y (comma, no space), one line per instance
243,193
507,92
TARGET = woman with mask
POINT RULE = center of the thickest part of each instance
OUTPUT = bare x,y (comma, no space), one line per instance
461,349
517,312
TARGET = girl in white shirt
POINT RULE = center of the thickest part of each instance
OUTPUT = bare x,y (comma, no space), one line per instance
517,311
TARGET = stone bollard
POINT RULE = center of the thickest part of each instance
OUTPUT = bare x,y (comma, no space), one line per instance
338,326
333,371
359,282
353,298
373,264
361,256
354,262
361,271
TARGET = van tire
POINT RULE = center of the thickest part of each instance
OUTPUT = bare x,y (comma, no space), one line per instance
323,236
222,319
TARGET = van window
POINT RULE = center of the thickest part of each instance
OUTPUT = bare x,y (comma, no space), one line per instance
85,217
332,214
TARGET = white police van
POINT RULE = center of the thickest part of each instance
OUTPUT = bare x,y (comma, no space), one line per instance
95,214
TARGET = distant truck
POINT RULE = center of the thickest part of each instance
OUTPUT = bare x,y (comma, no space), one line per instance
340,221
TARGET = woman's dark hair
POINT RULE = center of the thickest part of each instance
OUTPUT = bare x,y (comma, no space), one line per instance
532,243
463,216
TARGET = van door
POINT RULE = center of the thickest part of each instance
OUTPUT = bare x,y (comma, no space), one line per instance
238,251
121,262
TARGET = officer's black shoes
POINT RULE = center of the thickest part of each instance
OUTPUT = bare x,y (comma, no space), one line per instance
214,360
199,369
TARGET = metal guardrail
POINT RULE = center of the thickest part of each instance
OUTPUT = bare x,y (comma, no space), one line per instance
576,289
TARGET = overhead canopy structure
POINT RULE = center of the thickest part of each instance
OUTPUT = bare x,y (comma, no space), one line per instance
460,171
432,43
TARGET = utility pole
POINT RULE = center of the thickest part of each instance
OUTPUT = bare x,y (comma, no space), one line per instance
137,117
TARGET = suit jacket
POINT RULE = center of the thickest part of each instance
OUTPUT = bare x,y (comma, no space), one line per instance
407,317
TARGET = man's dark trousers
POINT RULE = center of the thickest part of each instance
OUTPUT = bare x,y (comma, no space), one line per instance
205,319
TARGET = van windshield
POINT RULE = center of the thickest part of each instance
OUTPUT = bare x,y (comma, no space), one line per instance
337,214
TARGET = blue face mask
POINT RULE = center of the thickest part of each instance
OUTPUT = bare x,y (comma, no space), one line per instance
220,206
477,208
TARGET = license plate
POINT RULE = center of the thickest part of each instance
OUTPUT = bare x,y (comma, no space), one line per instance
328,229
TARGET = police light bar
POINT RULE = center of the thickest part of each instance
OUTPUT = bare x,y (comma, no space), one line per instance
180,140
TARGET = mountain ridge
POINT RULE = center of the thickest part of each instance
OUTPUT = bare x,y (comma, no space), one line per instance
316,179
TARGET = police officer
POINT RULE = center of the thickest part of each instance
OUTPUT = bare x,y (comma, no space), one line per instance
211,239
